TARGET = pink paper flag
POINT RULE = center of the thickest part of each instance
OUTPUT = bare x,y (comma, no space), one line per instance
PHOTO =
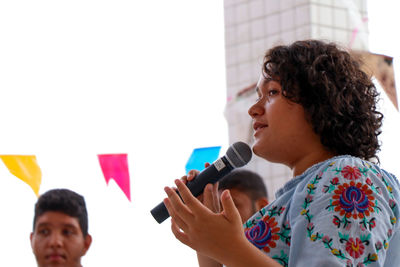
115,166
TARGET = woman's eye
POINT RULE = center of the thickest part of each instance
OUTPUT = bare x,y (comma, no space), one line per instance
272,92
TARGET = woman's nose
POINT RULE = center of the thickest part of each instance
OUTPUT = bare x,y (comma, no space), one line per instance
256,110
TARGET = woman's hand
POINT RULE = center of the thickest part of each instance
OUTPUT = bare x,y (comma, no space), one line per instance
210,196
211,201
199,227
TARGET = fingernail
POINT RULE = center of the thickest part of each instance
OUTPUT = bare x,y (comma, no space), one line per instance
167,189
210,187
227,194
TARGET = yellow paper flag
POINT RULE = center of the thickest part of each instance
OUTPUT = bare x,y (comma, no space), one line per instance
25,168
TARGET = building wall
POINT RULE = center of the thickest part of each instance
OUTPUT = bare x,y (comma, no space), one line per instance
254,26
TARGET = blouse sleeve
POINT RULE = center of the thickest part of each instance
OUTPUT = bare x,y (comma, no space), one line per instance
344,215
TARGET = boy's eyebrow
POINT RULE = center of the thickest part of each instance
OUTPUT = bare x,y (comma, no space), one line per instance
47,224
42,224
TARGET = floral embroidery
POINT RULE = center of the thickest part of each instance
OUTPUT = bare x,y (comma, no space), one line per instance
351,173
378,245
283,259
367,224
351,195
338,253
352,203
392,204
276,211
353,200
264,233
333,183
345,222
355,248
284,234
370,258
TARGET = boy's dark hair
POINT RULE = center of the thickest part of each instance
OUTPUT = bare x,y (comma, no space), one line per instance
246,181
338,97
65,201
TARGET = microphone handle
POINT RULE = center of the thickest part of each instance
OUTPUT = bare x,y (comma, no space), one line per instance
210,175
216,171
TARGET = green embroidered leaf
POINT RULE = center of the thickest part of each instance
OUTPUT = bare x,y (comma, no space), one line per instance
343,236
364,238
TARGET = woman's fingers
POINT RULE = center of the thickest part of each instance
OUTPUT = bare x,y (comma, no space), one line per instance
191,202
208,200
174,216
229,209
210,195
176,230
184,179
192,174
175,205
217,206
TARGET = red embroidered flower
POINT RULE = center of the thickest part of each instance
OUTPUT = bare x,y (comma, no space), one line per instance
351,173
336,221
354,200
264,233
372,224
355,247
335,181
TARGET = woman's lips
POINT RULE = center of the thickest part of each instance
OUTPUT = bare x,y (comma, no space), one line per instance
257,126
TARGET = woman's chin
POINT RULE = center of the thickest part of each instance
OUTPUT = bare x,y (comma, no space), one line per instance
261,152
257,149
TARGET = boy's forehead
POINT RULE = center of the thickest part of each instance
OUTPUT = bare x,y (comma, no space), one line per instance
57,218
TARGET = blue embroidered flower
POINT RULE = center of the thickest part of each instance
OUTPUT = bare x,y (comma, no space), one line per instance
353,200
263,234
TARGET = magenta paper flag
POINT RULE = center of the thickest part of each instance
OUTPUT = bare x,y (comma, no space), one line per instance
115,166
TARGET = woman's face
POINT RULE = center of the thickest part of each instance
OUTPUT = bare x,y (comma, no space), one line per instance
281,132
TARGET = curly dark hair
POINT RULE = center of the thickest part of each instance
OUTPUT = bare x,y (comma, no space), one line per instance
338,97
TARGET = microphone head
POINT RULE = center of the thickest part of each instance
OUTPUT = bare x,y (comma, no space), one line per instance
239,154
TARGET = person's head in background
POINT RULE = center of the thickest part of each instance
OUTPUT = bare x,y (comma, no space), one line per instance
60,229
248,191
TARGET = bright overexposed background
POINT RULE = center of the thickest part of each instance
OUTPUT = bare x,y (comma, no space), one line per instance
81,78
147,78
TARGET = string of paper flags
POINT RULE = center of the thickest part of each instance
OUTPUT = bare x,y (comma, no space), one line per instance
113,166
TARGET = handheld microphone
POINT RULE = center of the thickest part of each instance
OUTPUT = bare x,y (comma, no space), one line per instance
237,155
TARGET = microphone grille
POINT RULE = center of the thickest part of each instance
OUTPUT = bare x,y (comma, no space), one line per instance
239,154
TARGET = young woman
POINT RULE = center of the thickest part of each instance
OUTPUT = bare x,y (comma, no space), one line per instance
316,113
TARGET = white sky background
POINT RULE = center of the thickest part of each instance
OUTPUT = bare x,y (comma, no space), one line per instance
147,78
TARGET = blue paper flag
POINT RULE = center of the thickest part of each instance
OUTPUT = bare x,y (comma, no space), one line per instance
200,156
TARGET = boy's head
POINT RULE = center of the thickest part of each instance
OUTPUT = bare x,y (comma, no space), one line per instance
60,229
247,189
64,201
